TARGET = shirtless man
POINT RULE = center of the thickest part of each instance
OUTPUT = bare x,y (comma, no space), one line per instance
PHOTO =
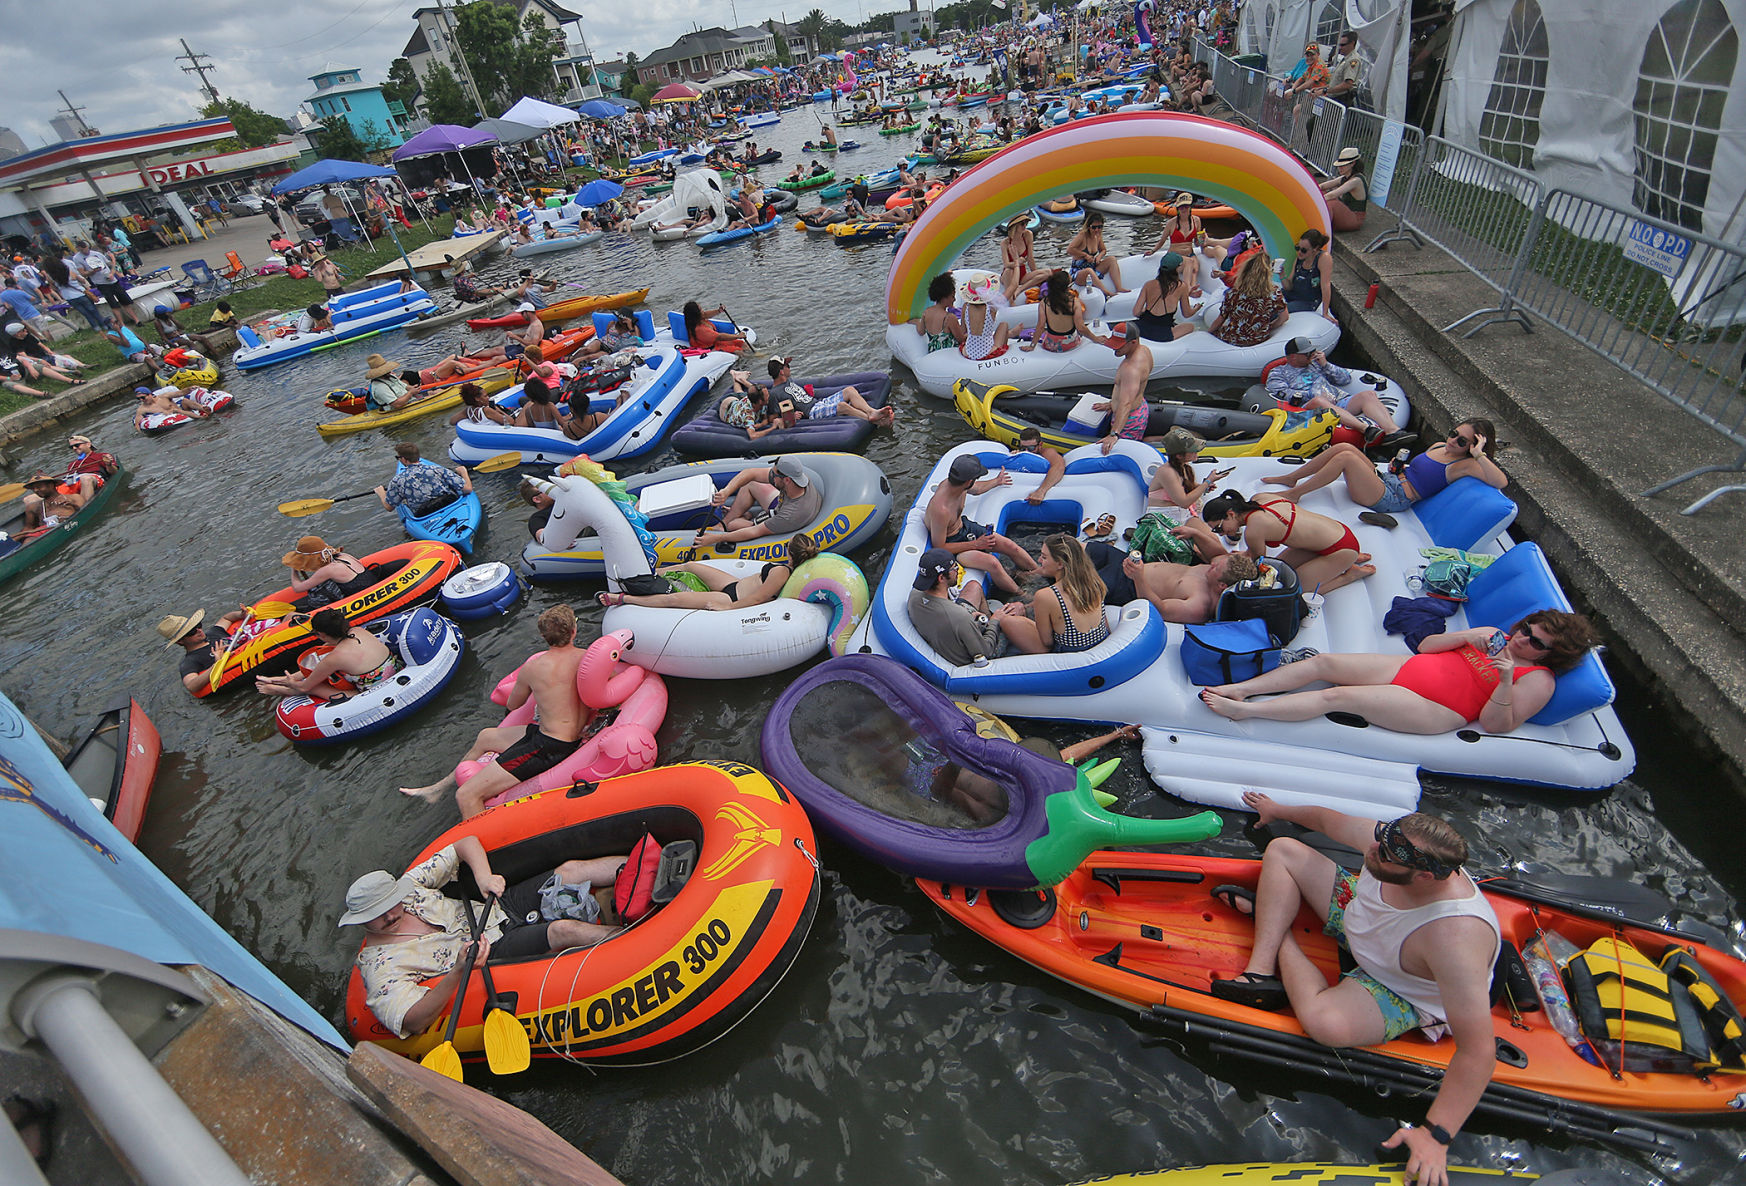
152,402
46,504
974,545
525,751
1128,411
1188,594
1323,551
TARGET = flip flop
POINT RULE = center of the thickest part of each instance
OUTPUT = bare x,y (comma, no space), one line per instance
1254,990
1230,895
1378,519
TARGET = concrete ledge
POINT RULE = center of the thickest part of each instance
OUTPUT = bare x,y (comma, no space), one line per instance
46,413
1583,438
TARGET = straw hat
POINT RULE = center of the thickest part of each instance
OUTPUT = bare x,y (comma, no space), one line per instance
38,478
373,895
1349,155
376,366
174,627
311,553
973,297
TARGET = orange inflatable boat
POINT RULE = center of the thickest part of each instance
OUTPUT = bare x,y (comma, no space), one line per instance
682,976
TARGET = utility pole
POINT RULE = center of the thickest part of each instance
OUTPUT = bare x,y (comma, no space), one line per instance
460,56
77,113
195,66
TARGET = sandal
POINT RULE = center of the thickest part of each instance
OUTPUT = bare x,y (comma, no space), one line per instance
608,600
1378,519
1254,990
1229,895
1098,528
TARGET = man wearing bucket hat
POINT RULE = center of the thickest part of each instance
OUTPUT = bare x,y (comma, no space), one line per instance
414,932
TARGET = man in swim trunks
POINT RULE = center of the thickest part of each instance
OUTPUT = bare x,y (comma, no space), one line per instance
846,402
974,545
549,678
1128,410
48,500
414,932
1186,593
1307,380
1423,936
785,495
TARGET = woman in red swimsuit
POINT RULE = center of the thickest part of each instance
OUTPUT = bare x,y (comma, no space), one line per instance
1323,551
1451,682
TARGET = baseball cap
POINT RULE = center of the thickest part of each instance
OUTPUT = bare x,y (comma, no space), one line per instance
966,469
788,467
935,563
1300,345
526,307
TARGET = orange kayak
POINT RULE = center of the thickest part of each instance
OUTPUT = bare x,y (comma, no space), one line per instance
1204,209
1143,930
682,976
567,310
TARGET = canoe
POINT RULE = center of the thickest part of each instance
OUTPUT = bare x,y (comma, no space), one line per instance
1143,930
116,762
729,925
812,182
565,310
407,574
16,556
999,412
455,524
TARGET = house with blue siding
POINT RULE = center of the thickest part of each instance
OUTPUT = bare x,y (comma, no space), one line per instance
341,91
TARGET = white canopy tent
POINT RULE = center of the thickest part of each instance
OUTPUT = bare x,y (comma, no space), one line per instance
1281,28
538,114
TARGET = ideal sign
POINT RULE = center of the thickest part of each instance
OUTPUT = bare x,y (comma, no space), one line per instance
184,171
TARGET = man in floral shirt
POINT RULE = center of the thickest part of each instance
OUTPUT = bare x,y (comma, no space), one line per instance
423,487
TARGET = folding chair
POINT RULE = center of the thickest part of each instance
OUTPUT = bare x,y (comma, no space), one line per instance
236,269
203,279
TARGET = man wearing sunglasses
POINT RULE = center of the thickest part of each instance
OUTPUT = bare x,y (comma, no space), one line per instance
1424,938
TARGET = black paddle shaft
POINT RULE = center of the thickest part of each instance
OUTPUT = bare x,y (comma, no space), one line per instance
473,923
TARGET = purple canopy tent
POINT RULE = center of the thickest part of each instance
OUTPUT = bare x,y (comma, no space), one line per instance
441,138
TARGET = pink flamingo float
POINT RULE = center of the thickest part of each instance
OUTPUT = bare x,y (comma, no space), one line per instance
627,745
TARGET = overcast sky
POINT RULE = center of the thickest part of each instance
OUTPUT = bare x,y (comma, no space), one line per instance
116,60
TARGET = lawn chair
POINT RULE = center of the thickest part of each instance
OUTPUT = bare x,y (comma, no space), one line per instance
237,270
205,282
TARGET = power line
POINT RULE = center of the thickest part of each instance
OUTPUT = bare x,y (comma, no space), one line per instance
77,113
196,66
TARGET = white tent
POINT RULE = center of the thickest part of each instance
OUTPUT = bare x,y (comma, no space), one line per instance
1281,28
537,114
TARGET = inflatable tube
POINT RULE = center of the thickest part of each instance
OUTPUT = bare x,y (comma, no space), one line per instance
860,741
684,975
1001,413
427,647
849,233
408,575
482,591
1049,214
623,746
718,238
585,539
154,423
196,371
814,181
1259,178
1071,931
1575,742
707,435
781,201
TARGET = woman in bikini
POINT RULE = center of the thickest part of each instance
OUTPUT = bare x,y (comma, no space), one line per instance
539,410
1018,259
722,590
1176,493
324,572
1466,454
1088,251
1186,235
938,324
1163,299
354,660
1323,551
1453,681
1060,316
1068,612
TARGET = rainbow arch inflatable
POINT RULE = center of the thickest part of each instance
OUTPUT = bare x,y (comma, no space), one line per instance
1245,170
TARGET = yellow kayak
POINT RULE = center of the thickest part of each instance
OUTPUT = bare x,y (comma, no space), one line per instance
441,399
583,305
1306,1174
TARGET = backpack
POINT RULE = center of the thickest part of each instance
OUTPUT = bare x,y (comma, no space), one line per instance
1228,652
1447,579
1278,605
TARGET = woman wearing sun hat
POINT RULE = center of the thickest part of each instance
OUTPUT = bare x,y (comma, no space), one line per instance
315,563
388,390
1346,192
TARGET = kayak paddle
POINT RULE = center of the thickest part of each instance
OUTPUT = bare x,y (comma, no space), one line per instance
506,1046
444,1060
299,508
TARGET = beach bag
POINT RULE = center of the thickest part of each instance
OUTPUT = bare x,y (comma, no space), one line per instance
1448,579
633,894
1228,652
1154,540
1636,1017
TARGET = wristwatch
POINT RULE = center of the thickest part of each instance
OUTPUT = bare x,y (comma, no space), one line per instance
1438,1133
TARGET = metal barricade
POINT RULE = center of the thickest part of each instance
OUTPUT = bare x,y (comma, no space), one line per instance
1323,130
1660,302
1476,209
1363,130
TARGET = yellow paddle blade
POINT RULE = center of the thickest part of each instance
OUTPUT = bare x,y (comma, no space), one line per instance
299,508
272,609
506,1046
218,667
11,491
492,465
444,1061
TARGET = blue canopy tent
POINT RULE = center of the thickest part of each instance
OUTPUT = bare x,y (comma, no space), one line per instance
603,109
331,172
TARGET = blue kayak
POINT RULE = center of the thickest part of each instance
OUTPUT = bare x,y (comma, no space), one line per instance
744,232
455,524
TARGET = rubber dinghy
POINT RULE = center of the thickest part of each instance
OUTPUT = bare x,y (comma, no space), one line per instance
874,752
1198,355
1145,931
1137,675
732,911
675,504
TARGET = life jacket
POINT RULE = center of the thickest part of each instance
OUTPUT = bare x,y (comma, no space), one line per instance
1722,1021
1637,1017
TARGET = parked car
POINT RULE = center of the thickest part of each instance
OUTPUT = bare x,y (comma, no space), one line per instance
309,211
247,204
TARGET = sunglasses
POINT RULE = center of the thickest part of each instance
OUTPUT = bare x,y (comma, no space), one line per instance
1534,640
1303,251
1394,846
1465,442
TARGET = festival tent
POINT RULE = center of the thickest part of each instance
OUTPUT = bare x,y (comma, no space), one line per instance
328,172
1281,28
601,109
538,114
440,138
508,131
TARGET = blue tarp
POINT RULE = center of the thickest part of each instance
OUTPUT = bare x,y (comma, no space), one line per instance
70,873
326,172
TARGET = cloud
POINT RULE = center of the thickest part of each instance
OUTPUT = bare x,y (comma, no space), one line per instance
118,61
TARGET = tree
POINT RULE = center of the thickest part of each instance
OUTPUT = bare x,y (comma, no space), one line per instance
507,62
535,50
444,101
812,27
401,85
781,39
337,141
253,128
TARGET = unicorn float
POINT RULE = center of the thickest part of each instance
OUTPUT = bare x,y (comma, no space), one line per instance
603,680
819,607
